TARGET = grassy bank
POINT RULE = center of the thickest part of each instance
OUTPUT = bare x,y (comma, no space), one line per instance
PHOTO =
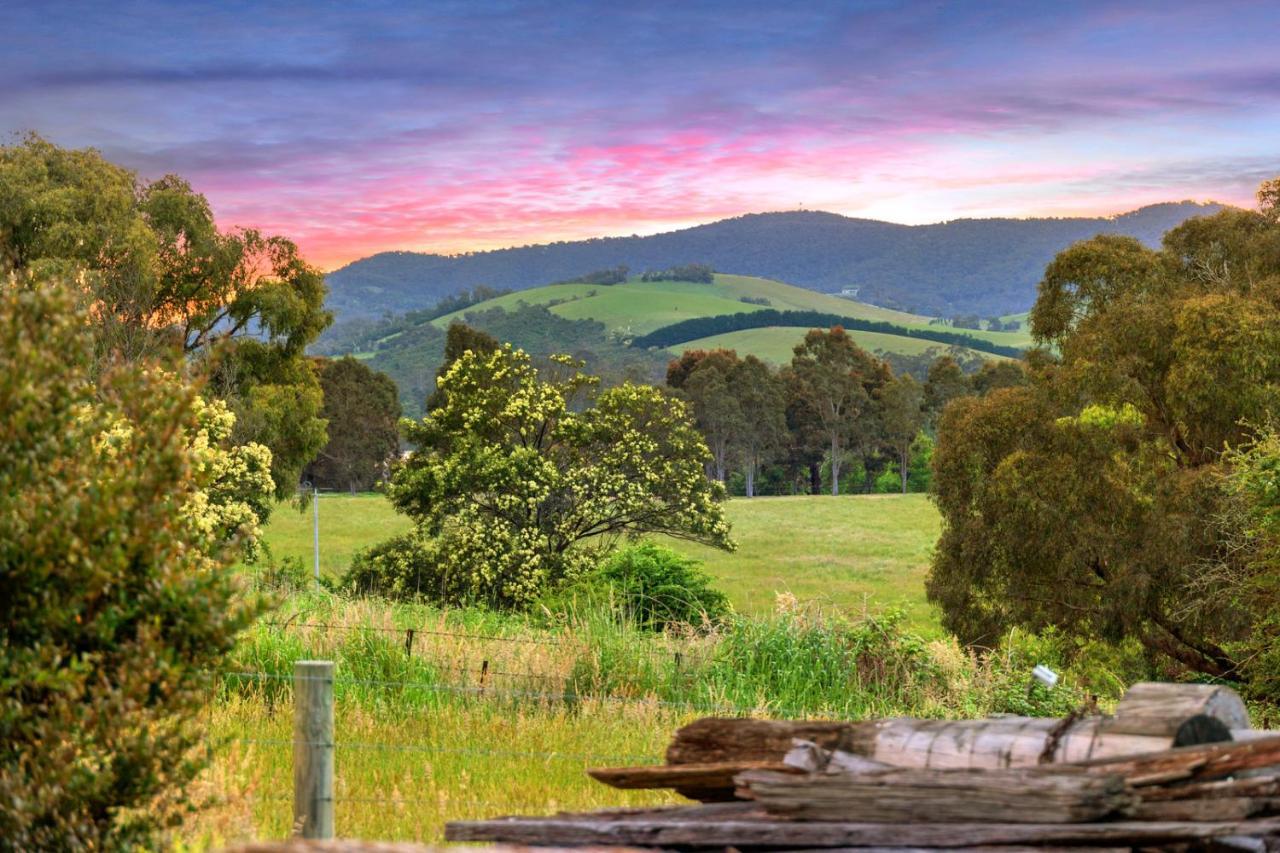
856,553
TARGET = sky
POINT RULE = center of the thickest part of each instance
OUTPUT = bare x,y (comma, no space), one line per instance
438,126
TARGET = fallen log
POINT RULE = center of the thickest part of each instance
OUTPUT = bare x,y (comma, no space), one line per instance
1027,795
1153,707
1151,717
746,825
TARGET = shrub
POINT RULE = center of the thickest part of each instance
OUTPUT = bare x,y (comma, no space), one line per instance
115,601
402,567
656,588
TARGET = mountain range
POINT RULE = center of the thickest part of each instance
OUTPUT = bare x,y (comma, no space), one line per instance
988,267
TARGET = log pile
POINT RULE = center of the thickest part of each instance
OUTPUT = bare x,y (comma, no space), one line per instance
1175,768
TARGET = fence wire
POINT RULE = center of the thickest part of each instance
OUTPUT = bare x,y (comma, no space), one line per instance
565,697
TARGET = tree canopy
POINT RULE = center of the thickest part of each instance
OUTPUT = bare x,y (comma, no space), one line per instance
362,410
1089,498
159,278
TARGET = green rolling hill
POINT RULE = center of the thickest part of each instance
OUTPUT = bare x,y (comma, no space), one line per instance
642,306
597,323
637,307
775,344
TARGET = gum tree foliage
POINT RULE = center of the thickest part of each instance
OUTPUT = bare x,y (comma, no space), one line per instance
362,409
704,378
514,491
160,278
1092,498
902,416
115,513
836,381
764,424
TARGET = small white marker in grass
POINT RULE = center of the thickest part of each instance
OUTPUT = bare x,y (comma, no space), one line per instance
1045,676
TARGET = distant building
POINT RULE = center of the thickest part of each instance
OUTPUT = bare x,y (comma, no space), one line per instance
849,292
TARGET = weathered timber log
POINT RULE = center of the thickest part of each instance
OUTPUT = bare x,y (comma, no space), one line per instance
1191,714
1150,706
707,783
713,740
1027,795
904,742
1218,808
1193,763
746,825
1261,786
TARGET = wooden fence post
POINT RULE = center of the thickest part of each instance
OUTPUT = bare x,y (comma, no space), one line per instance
313,748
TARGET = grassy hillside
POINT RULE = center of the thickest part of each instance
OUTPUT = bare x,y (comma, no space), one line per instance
775,344
637,308
642,306
596,323
851,552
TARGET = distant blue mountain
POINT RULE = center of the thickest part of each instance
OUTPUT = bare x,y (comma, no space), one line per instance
967,266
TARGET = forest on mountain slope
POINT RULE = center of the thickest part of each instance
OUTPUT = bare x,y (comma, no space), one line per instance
966,266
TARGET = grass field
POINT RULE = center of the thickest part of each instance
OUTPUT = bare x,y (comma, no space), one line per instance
495,714
775,344
856,552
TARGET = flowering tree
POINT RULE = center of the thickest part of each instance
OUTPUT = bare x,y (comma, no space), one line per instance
514,488
118,504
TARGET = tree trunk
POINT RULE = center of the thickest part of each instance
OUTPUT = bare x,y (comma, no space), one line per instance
903,468
835,466
815,478
750,475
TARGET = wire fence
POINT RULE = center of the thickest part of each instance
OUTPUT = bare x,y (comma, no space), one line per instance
586,696
476,681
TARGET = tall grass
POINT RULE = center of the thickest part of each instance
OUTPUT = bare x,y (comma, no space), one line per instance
489,714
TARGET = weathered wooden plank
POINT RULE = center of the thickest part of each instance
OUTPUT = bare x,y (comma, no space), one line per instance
707,783
1261,786
1002,848
1216,808
712,740
745,825
1193,763
1032,795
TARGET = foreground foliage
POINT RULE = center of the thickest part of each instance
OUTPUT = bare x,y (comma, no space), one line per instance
1104,498
115,504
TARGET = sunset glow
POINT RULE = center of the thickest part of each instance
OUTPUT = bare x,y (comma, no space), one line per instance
450,127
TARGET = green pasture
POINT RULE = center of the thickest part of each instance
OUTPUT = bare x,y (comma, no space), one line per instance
775,344
854,553
638,307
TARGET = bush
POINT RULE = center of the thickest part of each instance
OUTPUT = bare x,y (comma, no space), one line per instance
115,598
656,589
404,567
